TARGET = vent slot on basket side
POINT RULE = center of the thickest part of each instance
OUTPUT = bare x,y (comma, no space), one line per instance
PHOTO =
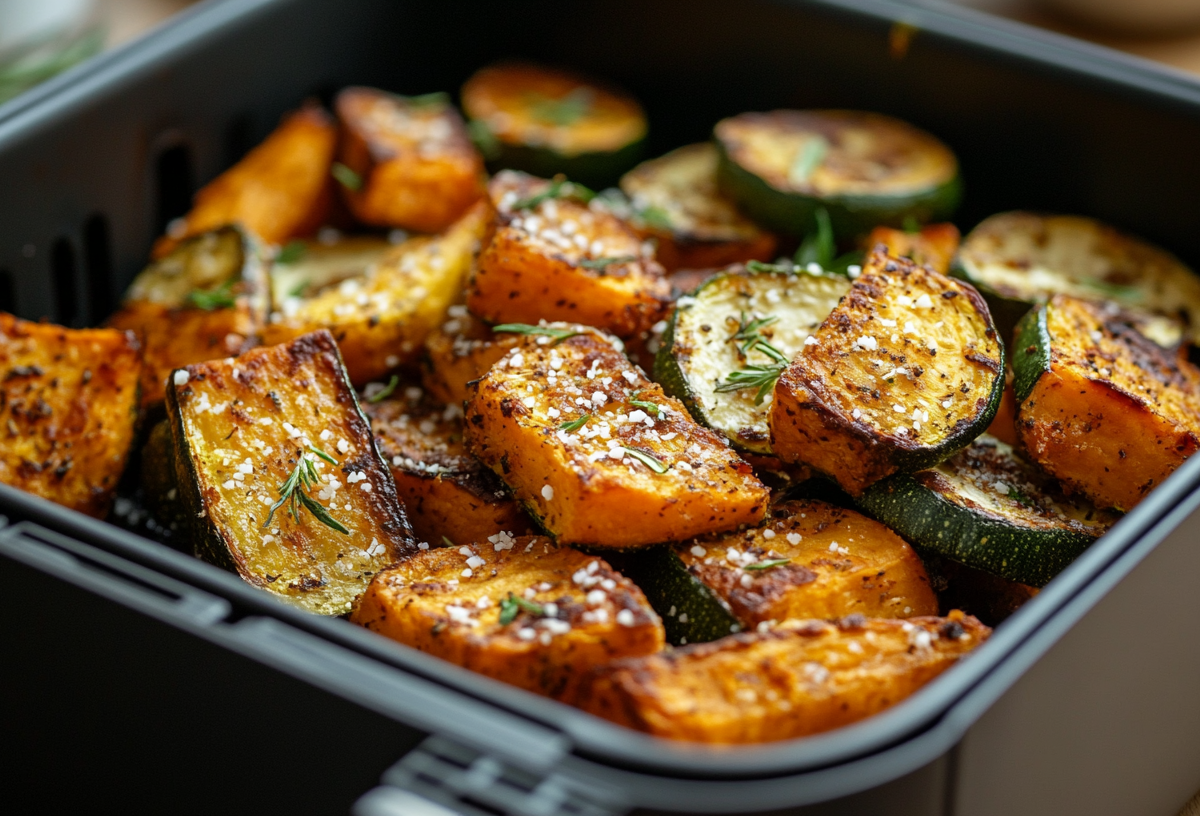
66,293
98,265
8,292
173,176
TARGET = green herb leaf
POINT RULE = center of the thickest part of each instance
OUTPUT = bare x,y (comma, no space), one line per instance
321,514
575,424
646,459
346,177
601,263
766,565
564,110
386,391
749,338
842,263
323,454
291,252
440,98
762,377
513,605
1020,497
647,406
299,289
911,224
222,297
484,139
447,542
291,493
758,266
559,188
656,218
811,154
1112,289
545,331
818,247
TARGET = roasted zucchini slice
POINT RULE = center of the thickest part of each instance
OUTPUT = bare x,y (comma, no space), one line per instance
551,257
405,161
989,509
1018,259
904,372
800,679
281,189
448,493
304,267
459,352
810,560
206,299
546,121
741,321
865,169
674,200
381,317
280,476
934,245
597,453
1102,408
69,398
521,610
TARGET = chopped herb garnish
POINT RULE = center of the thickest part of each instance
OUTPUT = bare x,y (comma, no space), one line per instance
1020,497
346,177
323,454
559,188
223,297
291,252
762,377
385,392
818,247
601,263
575,424
655,217
425,100
644,405
766,565
811,154
911,224
646,459
565,110
785,268
749,338
292,492
447,542
545,331
513,605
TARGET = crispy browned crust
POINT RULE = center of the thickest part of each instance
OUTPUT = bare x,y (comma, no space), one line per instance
458,352
934,246
68,410
599,615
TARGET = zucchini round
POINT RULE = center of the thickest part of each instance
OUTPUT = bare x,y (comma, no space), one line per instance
989,509
545,121
710,335
1018,259
866,169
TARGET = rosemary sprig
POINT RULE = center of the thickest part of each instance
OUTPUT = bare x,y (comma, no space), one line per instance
346,177
291,252
645,405
545,331
646,459
512,606
559,188
762,377
602,263
483,138
323,455
811,154
447,542
292,492
766,565
223,297
655,217
749,337
565,110
818,247
575,424
385,392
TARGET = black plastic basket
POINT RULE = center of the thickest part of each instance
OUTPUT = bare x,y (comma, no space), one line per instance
136,678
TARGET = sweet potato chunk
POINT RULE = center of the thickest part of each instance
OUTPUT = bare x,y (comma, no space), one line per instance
906,370
811,560
69,399
553,258
597,452
414,164
459,352
204,300
381,317
933,246
520,610
789,682
448,493
1102,408
281,189
245,429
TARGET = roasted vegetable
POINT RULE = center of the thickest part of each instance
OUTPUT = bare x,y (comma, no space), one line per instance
281,189
1018,259
460,351
801,679
280,476
69,398
1102,408
746,325
547,121
206,299
303,268
521,610
381,317
1004,424
405,161
904,372
550,257
674,200
597,453
447,492
933,245
989,509
865,169
990,598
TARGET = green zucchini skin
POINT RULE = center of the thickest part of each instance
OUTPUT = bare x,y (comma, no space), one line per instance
690,611
917,507
1031,352
596,170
